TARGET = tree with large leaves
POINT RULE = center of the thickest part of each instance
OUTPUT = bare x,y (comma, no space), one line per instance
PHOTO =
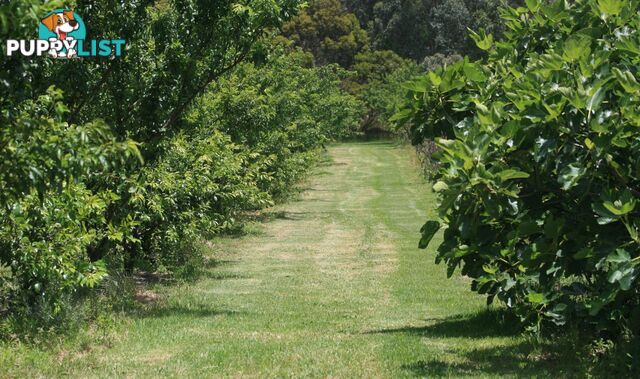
539,178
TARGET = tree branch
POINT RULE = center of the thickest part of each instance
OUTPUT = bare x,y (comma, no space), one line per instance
213,75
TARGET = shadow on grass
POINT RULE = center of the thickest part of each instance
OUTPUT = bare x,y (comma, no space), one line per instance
490,323
179,311
280,215
375,137
310,189
526,358
217,263
319,173
519,360
223,275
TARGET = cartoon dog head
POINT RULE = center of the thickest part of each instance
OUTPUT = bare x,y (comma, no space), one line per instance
61,23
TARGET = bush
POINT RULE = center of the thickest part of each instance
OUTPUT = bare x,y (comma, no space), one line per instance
281,112
539,177
219,137
197,189
76,200
79,205
50,217
377,83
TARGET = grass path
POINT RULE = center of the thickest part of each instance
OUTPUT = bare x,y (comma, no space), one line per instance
332,284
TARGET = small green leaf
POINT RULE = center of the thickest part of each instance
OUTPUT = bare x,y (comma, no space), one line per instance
611,7
571,175
614,276
511,174
576,47
483,41
589,144
619,256
627,279
440,186
401,115
419,85
533,5
627,80
474,73
617,208
620,205
536,298
435,78
489,269
606,217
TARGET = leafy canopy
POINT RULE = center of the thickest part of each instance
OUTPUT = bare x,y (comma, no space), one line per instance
539,178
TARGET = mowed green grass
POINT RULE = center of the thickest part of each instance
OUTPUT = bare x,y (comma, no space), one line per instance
329,285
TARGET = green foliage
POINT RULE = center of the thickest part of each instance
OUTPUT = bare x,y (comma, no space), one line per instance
538,178
197,189
248,139
167,64
378,79
280,112
78,202
49,216
419,28
18,20
332,35
375,65
329,32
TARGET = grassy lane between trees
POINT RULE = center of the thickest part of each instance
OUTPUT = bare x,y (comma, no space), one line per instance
330,284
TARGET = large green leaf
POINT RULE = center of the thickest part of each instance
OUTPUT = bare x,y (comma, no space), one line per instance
620,204
536,298
483,41
428,231
576,47
627,80
511,174
611,7
570,175
474,73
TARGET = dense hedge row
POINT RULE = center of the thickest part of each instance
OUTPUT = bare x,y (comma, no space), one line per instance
214,137
539,178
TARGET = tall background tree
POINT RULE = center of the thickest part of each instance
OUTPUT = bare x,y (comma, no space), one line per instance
329,32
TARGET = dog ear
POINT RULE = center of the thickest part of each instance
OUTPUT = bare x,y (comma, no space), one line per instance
69,15
50,22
